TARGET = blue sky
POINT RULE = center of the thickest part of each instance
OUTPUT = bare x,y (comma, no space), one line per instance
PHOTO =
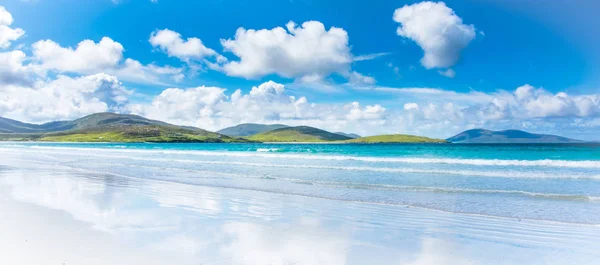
545,48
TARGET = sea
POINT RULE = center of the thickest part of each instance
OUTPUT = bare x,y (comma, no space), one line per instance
270,204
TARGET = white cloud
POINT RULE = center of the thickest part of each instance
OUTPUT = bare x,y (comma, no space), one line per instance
105,56
437,30
358,78
211,108
87,57
309,50
8,34
440,113
183,106
371,112
134,71
63,98
12,70
537,102
447,73
411,106
171,43
371,56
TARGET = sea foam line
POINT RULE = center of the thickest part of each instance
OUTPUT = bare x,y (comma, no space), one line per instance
407,160
470,173
375,186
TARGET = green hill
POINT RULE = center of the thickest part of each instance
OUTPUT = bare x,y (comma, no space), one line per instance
298,134
395,138
507,136
13,126
112,127
248,129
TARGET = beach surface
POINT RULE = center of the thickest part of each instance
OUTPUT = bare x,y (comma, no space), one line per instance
297,204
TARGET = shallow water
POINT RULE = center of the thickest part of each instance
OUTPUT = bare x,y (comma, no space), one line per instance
321,204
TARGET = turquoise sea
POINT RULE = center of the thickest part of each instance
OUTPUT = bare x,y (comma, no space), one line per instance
321,203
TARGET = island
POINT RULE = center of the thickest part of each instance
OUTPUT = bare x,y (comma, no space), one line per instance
483,136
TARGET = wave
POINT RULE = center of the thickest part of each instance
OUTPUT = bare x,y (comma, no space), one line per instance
375,186
267,149
499,174
404,160
455,172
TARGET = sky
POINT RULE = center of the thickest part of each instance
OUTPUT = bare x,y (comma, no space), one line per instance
366,67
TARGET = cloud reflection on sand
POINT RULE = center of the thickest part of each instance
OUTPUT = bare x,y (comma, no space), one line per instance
195,224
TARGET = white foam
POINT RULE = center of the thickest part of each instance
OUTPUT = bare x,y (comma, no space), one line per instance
267,149
473,173
406,160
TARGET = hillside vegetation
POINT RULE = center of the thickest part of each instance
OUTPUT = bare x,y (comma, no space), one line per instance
298,134
395,138
112,127
248,129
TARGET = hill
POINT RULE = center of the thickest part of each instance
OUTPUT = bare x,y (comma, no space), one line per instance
13,126
298,134
248,129
110,127
351,135
507,136
395,138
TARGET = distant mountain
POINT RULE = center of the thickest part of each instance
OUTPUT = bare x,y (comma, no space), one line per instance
247,129
298,134
13,126
108,127
507,136
395,138
351,135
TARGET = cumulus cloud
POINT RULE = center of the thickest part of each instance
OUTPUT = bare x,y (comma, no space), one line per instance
8,34
212,108
87,57
174,45
182,106
371,112
12,68
308,50
440,113
63,98
411,106
106,56
538,103
437,30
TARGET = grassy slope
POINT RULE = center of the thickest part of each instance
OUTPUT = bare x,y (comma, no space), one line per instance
110,127
395,138
297,134
139,133
249,129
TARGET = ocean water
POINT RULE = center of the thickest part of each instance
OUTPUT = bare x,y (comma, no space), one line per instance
322,203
